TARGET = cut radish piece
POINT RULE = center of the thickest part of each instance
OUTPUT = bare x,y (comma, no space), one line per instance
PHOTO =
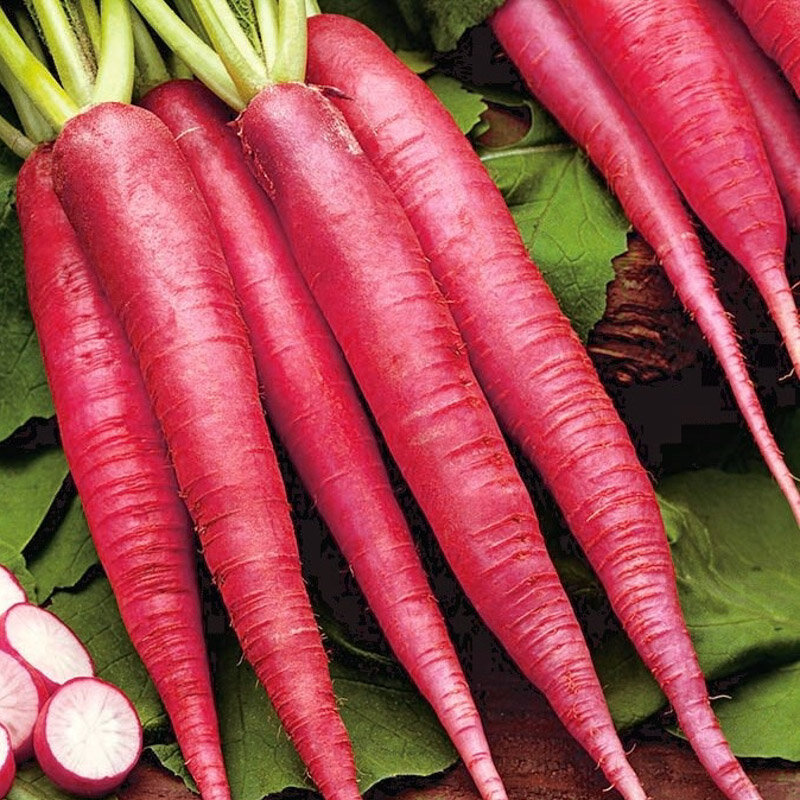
11,592
44,643
8,766
22,695
88,737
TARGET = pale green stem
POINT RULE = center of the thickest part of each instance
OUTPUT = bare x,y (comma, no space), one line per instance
27,30
178,68
91,19
267,16
56,105
312,8
15,140
115,62
248,71
68,57
187,13
36,127
152,71
192,50
290,62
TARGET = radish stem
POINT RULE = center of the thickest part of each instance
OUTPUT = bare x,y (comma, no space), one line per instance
268,27
290,60
15,140
192,50
69,59
91,21
150,66
115,63
40,85
37,128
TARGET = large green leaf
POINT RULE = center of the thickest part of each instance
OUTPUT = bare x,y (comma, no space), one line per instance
465,105
571,225
443,20
737,557
29,481
23,386
31,784
380,15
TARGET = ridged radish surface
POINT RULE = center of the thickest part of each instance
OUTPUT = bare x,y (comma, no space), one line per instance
8,766
22,695
88,737
11,592
44,643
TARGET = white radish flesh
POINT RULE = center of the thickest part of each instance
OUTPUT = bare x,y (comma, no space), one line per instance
11,592
22,695
44,643
8,766
88,737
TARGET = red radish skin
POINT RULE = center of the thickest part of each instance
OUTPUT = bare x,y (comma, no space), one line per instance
22,695
773,102
47,646
365,268
775,25
11,592
564,75
543,386
664,59
118,458
88,737
140,219
8,766
311,401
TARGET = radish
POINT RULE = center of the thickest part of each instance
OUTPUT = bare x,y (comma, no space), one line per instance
8,766
88,737
773,102
143,226
11,592
566,78
663,57
312,402
775,25
526,356
118,459
39,639
22,695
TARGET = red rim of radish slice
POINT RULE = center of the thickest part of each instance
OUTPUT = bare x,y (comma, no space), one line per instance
44,643
8,766
11,592
22,695
88,737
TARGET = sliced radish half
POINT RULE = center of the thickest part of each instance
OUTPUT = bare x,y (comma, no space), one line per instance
11,592
88,737
44,643
22,695
8,766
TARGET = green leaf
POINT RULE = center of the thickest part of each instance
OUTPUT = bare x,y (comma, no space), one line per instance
569,221
65,558
382,17
23,386
31,784
443,20
465,105
261,760
169,756
737,558
93,615
11,559
29,481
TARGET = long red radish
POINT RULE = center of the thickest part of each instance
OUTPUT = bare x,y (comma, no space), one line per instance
144,227
364,265
22,695
11,592
776,108
88,737
559,70
118,459
39,639
663,57
8,766
313,405
775,25
527,358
